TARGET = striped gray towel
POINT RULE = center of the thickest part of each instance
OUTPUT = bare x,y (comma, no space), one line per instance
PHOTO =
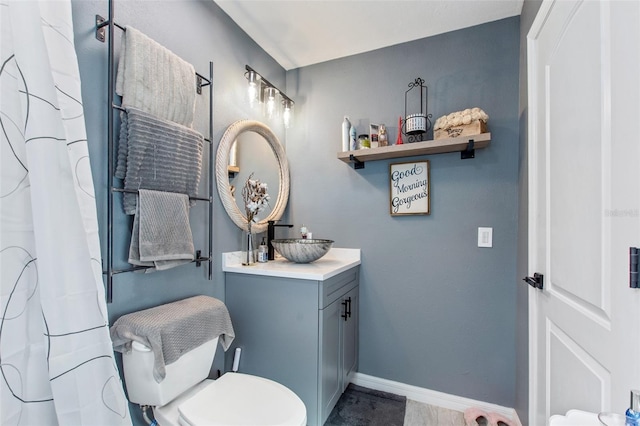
157,154
173,329
161,236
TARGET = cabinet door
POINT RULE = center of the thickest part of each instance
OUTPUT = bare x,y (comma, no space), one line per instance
330,357
349,337
276,325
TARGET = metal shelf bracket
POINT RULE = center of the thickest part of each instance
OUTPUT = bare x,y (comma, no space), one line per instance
357,164
469,151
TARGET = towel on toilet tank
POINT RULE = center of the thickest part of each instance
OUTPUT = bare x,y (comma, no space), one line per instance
173,329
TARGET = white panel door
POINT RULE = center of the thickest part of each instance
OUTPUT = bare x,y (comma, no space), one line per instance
584,205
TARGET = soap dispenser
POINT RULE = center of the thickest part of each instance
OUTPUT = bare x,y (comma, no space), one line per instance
633,412
263,252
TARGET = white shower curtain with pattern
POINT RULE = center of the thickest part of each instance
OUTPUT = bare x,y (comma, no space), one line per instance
56,360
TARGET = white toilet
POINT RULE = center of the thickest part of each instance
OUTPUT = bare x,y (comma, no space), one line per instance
186,397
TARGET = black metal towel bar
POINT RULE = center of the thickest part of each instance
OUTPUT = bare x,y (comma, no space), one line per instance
135,191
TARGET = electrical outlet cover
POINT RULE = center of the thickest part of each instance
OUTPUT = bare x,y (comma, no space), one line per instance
485,237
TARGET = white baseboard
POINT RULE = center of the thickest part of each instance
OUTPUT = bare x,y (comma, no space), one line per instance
432,397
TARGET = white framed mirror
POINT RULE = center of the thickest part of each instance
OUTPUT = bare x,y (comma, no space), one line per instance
239,133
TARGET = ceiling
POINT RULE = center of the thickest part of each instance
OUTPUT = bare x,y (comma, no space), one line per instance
297,33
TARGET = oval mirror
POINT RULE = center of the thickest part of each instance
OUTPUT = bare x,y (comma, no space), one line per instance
240,153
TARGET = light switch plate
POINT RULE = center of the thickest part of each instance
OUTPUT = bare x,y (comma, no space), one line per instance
485,237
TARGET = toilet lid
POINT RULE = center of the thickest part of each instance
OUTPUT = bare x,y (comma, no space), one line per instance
239,399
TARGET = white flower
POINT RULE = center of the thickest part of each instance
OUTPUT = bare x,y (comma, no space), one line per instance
254,194
458,118
253,207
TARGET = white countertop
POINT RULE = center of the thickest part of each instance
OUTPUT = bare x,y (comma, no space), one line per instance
337,260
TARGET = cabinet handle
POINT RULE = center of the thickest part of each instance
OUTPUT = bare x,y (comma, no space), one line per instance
347,308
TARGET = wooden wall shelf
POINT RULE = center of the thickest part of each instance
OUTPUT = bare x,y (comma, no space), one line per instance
463,144
233,170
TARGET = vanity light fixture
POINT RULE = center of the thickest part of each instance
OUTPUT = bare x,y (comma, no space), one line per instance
273,99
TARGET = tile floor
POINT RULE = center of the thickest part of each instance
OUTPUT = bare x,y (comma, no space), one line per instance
419,414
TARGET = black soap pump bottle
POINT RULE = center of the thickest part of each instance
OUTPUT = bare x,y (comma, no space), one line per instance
263,252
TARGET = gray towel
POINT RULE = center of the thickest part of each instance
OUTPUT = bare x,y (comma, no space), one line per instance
152,78
161,236
174,328
157,154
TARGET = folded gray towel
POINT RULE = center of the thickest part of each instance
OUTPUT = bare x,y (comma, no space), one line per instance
152,78
157,154
161,236
173,329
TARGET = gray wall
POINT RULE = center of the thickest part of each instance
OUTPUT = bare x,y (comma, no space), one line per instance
436,310
529,10
199,32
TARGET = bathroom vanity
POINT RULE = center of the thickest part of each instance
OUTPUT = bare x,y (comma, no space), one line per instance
297,324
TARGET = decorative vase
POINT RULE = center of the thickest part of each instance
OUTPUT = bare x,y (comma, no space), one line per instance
248,254
399,140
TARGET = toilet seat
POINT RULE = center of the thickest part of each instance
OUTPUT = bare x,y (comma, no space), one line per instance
241,399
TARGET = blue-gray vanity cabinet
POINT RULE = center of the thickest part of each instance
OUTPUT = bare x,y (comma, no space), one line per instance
339,323
299,332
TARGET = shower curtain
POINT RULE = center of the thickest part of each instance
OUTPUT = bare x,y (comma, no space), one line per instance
56,359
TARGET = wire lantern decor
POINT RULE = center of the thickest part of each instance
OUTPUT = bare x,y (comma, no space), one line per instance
417,124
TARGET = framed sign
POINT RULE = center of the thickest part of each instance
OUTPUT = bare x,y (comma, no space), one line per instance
409,188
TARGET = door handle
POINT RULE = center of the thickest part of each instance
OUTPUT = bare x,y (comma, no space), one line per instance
537,281
347,308
634,255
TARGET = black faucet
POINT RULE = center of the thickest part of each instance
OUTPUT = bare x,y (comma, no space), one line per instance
270,235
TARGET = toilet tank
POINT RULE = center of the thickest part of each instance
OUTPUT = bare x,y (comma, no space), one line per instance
190,369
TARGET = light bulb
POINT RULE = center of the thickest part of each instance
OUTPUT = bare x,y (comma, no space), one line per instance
270,102
253,93
287,115
253,88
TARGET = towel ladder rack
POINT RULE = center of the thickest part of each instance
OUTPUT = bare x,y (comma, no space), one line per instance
102,25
